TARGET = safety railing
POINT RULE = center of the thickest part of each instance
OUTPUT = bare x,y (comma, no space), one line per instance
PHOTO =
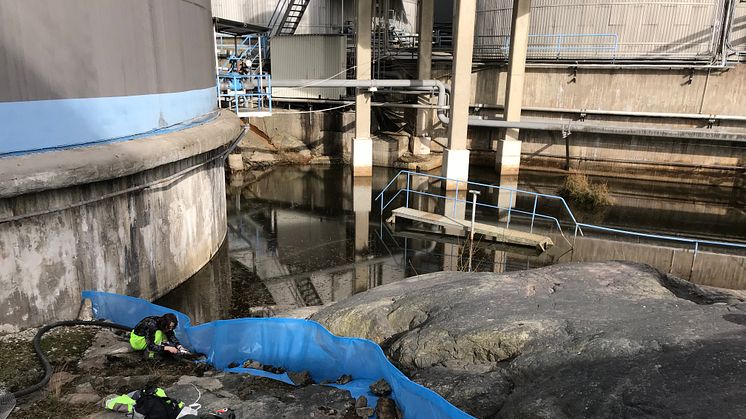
579,227
463,186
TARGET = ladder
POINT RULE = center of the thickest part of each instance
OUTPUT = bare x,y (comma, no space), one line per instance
292,12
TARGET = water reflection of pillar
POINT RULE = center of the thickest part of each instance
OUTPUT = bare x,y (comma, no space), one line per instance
362,191
454,207
506,199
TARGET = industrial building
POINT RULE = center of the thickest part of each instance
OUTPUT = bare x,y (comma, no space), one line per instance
113,156
664,74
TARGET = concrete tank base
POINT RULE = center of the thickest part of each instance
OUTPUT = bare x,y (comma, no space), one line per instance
135,217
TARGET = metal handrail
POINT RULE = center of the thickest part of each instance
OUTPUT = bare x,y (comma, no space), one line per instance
578,226
456,200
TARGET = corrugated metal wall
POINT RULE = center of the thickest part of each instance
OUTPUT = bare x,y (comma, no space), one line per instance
321,17
308,57
738,31
604,29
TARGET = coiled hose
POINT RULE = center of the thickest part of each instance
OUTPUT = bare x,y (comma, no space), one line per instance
43,358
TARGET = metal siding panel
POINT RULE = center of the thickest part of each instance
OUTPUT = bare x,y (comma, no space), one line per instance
308,57
250,11
605,28
738,30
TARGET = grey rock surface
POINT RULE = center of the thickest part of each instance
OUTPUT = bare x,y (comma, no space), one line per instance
607,339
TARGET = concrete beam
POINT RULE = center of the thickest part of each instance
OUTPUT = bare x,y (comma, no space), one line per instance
456,160
362,149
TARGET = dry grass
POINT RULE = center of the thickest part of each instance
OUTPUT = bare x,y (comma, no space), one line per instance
582,193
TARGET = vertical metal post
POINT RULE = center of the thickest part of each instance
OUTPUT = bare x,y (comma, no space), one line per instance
407,190
694,258
510,205
455,201
261,85
404,261
471,229
533,213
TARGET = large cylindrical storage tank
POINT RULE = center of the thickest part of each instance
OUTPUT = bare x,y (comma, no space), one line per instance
111,151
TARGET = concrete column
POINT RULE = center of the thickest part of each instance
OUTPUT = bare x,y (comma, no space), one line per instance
362,192
362,145
456,156
421,144
508,158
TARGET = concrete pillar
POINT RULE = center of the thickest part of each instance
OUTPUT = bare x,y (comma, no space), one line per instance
508,158
426,14
456,156
362,145
362,192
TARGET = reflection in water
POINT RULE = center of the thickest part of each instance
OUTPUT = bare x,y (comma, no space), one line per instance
311,236
314,235
206,296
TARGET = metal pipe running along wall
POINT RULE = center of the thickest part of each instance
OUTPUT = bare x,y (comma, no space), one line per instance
566,128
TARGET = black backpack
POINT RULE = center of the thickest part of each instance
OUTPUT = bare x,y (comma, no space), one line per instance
155,407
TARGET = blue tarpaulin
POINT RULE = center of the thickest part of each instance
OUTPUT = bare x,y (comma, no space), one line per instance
293,344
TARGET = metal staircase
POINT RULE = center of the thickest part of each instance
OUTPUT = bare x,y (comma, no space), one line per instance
308,292
287,16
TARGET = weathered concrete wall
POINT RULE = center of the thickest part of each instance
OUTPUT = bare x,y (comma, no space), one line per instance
720,270
637,156
98,228
677,91
318,129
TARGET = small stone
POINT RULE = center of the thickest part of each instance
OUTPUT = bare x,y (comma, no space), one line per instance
252,364
386,409
301,379
364,412
380,388
344,379
361,402
233,365
59,379
85,388
81,398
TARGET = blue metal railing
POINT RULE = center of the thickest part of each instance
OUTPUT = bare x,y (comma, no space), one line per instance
463,186
697,243
246,89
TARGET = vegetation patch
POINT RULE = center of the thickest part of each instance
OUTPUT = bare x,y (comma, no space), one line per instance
19,366
580,192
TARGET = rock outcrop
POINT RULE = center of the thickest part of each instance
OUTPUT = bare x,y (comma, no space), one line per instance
578,340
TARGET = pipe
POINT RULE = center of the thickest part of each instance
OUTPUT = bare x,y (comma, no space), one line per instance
565,127
351,102
620,113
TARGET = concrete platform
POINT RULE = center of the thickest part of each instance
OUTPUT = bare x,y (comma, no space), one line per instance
500,234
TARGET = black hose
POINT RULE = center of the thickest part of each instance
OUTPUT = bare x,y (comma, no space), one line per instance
43,358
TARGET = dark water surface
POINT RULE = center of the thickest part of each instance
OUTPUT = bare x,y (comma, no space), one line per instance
305,236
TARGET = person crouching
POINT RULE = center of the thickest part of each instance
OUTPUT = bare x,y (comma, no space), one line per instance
155,335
